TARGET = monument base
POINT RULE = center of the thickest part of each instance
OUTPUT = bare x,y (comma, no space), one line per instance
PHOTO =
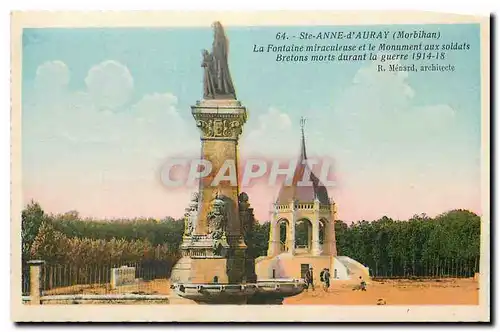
286,265
200,270
208,260
261,292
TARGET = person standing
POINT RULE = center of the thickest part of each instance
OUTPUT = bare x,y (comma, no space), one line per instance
322,277
326,279
309,279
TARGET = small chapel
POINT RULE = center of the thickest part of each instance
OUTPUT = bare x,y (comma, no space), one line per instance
308,207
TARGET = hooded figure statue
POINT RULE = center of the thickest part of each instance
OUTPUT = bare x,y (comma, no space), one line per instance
217,82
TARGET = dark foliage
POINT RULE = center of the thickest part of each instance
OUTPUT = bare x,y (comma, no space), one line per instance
445,245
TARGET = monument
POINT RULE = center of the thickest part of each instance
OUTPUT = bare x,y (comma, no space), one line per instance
305,205
215,266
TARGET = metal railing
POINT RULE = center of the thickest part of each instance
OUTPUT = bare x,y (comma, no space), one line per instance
150,278
25,279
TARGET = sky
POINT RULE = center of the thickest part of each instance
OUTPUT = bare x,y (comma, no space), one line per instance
104,108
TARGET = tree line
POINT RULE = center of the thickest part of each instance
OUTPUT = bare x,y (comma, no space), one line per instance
68,239
421,246
447,245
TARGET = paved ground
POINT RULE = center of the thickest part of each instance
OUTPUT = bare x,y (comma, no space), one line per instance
392,292
159,286
395,292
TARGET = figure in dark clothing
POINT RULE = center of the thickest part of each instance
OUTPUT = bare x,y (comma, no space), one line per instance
217,82
309,279
362,285
326,279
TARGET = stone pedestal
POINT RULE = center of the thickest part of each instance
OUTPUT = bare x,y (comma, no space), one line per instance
122,276
36,286
200,270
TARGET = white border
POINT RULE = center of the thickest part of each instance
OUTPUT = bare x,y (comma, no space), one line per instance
396,314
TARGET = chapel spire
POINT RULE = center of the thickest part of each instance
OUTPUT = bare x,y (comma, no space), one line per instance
303,155
303,193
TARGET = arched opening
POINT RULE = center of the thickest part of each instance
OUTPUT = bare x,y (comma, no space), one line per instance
283,229
303,235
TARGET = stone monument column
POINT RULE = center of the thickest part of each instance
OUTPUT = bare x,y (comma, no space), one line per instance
220,123
217,265
219,217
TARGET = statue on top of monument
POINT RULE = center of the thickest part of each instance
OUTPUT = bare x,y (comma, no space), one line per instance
217,82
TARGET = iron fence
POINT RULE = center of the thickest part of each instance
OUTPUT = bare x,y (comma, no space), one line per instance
25,279
151,277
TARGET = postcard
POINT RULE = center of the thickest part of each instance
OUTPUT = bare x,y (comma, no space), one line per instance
270,166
